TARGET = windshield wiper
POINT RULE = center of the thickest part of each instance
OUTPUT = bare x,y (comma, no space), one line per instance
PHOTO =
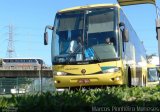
77,49
96,56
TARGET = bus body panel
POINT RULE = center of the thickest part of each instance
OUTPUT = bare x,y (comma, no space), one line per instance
132,53
92,79
90,68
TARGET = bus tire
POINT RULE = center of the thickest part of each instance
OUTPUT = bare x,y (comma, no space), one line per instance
129,78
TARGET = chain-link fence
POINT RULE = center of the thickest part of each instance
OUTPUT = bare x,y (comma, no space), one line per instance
17,85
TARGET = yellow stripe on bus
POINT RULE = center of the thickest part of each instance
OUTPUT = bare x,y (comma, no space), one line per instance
135,2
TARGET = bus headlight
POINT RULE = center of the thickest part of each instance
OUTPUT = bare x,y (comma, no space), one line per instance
111,70
59,73
117,78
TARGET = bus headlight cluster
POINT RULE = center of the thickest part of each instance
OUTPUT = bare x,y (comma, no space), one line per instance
59,73
111,70
118,78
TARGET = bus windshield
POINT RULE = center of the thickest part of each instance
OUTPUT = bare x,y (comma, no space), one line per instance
85,35
152,75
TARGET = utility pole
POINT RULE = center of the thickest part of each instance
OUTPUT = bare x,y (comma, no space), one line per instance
158,30
10,49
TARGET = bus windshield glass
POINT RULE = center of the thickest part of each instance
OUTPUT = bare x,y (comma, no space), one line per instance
85,35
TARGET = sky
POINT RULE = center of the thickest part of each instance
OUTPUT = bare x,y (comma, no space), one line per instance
29,18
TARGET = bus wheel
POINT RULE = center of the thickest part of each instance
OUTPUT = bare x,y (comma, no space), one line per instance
129,77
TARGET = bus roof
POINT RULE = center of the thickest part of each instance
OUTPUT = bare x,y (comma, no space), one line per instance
88,7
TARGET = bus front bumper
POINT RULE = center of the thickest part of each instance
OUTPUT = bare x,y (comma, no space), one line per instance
88,80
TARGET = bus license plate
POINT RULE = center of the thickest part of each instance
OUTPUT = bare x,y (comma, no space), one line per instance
83,81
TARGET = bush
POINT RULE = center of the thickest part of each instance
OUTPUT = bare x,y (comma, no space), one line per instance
88,100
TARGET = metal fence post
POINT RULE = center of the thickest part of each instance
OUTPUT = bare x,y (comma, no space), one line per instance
40,76
17,86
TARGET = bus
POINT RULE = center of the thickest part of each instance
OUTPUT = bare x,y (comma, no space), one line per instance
80,55
22,63
152,75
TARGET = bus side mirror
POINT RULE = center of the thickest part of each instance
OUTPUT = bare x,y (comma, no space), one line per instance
125,33
46,38
46,34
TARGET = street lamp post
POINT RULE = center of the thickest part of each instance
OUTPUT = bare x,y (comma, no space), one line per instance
158,30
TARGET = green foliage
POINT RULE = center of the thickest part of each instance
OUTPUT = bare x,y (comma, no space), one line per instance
83,100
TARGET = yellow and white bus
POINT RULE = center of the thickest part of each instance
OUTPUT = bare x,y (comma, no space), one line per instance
82,58
152,75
